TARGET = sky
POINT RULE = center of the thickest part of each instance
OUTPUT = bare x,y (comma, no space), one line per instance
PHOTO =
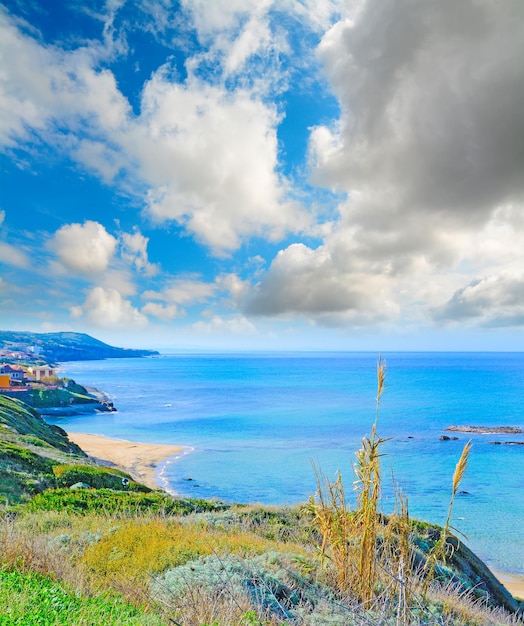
264,174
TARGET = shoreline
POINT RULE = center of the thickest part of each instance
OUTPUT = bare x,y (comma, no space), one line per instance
144,462
514,583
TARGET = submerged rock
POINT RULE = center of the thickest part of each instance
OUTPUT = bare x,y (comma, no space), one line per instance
507,443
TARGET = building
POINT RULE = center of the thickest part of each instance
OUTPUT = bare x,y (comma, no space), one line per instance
17,374
5,381
41,371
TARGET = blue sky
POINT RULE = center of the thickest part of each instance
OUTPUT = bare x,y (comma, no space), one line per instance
258,174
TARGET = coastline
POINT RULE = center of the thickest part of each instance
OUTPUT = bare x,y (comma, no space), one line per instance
142,461
145,462
514,583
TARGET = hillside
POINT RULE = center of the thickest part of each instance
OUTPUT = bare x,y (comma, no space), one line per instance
68,346
117,553
36,456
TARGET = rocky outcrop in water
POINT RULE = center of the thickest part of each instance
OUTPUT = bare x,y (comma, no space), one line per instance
487,430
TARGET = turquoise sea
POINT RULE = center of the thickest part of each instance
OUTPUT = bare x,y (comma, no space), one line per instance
253,423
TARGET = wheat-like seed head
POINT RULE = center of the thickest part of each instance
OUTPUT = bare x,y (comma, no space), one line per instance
460,469
381,376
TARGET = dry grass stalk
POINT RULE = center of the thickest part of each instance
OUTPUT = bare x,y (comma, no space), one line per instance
458,475
332,517
368,487
440,550
350,539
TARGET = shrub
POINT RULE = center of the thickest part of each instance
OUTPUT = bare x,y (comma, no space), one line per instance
96,477
83,501
265,587
17,457
142,547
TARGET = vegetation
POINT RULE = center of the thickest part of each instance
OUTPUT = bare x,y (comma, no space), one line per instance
66,346
17,418
29,598
114,555
44,398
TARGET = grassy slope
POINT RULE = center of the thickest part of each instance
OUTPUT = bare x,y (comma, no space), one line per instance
114,557
35,456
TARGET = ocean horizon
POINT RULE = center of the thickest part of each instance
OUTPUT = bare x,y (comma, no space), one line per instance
253,424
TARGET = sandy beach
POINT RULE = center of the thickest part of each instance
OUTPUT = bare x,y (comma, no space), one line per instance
140,460
513,583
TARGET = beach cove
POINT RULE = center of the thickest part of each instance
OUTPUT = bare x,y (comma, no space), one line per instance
255,422
142,461
145,463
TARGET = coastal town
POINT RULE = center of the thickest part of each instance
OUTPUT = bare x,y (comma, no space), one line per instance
22,368
28,372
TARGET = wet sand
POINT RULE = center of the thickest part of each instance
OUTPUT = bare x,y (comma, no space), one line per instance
140,460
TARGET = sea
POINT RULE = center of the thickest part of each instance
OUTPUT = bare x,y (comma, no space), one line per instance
254,426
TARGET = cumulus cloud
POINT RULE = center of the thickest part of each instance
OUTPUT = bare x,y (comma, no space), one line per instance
87,248
134,250
429,150
105,308
427,153
236,289
199,148
163,312
44,87
311,283
495,301
431,95
210,158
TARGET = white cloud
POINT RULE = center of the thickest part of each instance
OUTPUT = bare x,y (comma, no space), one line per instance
105,308
210,158
234,325
42,87
100,158
183,291
222,15
87,248
13,256
134,250
207,154
163,312
236,288
119,279
495,301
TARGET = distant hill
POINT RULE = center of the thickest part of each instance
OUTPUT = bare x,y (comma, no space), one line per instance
66,346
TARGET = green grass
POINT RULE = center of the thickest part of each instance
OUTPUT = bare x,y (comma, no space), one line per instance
86,501
18,418
43,398
96,477
29,599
